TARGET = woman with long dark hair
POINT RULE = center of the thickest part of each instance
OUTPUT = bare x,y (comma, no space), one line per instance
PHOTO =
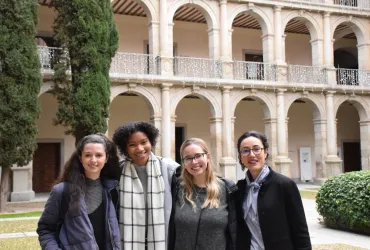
80,212
269,202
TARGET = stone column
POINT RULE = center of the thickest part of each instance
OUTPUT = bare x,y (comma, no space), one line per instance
216,141
166,121
214,43
278,35
227,163
22,183
163,28
320,149
156,120
328,44
225,45
316,47
270,132
363,56
333,163
268,48
365,144
154,36
282,161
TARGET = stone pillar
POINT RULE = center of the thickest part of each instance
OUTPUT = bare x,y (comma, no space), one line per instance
333,163
153,28
320,148
166,121
156,120
328,44
163,28
216,141
225,45
227,163
22,183
282,161
167,60
316,50
283,38
278,35
270,132
173,137
365,144
268,48
214,43
363,56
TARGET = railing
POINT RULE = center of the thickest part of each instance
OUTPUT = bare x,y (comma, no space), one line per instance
135,64
254,71
46,55
353,77
197,67
362,4
307,74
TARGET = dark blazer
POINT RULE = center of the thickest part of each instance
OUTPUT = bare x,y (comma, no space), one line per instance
232,195
76,231
281,215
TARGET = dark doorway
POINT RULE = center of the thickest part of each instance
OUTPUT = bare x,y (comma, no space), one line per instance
351,156
179,139
46,166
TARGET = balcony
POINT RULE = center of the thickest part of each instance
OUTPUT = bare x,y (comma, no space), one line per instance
307,74
134,64
357,4
194,68
255,71
46,55
353,77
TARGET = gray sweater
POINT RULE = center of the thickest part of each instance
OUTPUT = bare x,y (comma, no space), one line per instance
212,222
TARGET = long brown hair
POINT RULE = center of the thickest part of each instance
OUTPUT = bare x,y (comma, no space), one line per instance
212,181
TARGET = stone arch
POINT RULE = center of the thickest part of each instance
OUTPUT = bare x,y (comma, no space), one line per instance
149,9
311,23
148,96
354,24
318,107
202,6
256,12
267,105
358,102
203,94
46,87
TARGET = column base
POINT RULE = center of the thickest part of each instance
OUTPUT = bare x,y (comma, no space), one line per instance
22,196
228,168
282,165
333,165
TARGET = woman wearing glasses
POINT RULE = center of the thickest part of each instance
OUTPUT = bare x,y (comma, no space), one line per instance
203,211
269,202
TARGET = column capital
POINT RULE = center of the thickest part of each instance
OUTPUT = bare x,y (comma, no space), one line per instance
215,119
166,86
155,118
269,120
226,89
327,14
223,2
277,8
281,91
153,23
330,93
319,121
364,123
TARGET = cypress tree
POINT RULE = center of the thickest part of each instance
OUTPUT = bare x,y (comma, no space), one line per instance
20,82
86,32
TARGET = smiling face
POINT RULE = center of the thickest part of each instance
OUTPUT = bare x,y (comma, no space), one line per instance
139,148
93,158
253,162
195,160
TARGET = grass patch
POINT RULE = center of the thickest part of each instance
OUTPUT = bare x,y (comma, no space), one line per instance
20,215
29,243
336,247
307,194
18,226
313,189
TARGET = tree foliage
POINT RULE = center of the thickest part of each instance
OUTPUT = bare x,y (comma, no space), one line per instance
20,82
86,32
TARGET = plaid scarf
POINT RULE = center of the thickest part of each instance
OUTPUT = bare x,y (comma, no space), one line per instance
132,210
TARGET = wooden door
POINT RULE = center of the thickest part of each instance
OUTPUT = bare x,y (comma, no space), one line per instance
46,166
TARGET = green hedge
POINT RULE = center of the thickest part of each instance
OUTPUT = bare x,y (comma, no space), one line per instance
344,201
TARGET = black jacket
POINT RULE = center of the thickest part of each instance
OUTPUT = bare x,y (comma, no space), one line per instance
232,195
281,215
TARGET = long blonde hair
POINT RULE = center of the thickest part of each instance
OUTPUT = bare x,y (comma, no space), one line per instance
212,181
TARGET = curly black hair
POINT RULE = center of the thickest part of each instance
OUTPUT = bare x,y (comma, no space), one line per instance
123,132
262,137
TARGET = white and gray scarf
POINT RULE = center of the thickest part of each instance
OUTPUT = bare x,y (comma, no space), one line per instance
132,211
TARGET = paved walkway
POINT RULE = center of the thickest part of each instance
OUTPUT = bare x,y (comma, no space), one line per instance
319,234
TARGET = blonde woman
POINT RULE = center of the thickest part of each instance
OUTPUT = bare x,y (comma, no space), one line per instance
203,211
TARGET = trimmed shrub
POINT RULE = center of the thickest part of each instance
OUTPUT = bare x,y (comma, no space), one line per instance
344,201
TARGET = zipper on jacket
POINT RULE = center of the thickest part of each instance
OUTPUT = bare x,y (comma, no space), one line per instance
108,220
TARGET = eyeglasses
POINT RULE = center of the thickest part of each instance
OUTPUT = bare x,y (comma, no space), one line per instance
246,152
196,158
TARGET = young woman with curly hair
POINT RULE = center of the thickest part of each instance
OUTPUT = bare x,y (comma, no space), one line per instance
145,188
80,212
203,212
